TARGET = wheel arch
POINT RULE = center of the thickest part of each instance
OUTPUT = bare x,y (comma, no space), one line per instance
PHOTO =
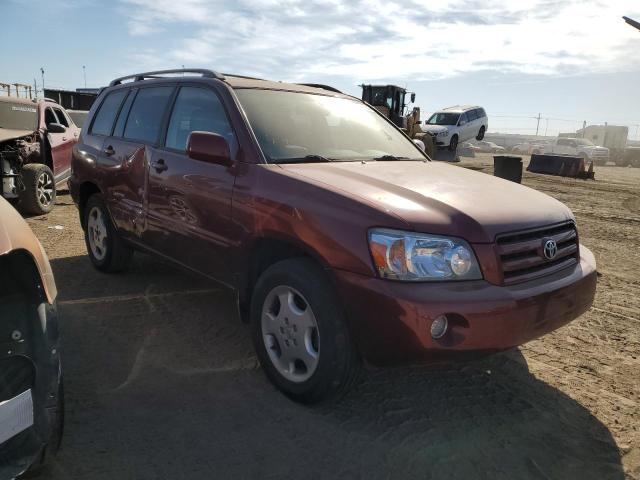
86,190
265,251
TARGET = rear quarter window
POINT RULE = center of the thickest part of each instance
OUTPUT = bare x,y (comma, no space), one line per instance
472,115
103,122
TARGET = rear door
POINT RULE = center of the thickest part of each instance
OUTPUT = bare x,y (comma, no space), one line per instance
190,200
135,135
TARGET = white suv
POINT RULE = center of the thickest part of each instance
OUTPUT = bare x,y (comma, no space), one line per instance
453,125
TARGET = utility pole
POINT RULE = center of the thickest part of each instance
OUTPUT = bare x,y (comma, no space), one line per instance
538,125
84,74
546,126
35,87
584,128
42,73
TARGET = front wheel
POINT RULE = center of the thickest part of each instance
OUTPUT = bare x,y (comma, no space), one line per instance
453,144
106,250
39,194
300,334
481,133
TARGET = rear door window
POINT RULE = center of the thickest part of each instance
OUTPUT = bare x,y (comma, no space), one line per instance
197,109
103,122
145,118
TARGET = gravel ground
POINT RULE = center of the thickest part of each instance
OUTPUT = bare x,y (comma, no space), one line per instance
161,380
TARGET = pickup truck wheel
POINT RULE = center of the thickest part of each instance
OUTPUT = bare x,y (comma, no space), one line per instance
39,194
300,333
481,133
453,144
106,250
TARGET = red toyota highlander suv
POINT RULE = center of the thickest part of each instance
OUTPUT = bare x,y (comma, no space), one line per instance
341,238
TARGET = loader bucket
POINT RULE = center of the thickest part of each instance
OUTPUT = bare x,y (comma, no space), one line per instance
562,165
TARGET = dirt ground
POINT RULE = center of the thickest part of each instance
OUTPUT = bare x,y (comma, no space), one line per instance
162,383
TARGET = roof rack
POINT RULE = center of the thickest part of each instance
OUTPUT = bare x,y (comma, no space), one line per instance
141,76
242,76
320,85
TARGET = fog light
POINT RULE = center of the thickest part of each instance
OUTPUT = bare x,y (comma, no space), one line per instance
439,327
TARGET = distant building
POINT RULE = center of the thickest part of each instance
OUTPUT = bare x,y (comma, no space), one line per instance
82,99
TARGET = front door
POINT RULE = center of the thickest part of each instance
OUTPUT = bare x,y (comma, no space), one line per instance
189,201
60,143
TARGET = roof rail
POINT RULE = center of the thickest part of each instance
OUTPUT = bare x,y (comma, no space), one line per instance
50,99
141,76
320,85
242,76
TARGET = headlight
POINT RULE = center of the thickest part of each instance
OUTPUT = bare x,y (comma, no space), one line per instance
443,133
418,257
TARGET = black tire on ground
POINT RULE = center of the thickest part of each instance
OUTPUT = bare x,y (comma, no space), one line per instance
481,133
453,144
600,163
114,255
338,363
39,194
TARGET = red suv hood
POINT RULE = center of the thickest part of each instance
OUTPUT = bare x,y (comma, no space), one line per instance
434,197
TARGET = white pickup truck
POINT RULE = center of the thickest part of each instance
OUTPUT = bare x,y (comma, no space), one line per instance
576,147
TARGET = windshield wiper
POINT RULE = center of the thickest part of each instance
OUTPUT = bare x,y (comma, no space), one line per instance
390,158
305,159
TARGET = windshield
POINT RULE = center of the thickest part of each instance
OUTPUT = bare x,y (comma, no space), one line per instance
584,141
18,116
292,125
441,118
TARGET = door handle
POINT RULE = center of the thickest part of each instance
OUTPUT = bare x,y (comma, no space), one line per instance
109,151
159,166
64,139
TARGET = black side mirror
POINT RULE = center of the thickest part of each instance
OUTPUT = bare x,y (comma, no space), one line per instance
413,98
56,128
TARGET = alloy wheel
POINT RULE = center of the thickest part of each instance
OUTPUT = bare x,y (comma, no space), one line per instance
44,189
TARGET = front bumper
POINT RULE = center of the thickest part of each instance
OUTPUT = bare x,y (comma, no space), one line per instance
390,321
30,376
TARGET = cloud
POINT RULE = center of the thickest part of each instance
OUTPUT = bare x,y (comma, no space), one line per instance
376,40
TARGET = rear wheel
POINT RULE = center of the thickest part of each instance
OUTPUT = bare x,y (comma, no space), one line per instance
300,333
453,144
481,133
599,162
106,250
39,194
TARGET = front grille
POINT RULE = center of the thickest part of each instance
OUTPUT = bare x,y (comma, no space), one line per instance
522,254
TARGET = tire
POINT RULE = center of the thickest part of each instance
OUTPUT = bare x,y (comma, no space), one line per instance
481,133
318,361
39,194
600,162
453,144
105,248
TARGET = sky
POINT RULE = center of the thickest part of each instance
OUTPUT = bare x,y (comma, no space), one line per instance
568,60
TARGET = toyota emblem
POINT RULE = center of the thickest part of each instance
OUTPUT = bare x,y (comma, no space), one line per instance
550,249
